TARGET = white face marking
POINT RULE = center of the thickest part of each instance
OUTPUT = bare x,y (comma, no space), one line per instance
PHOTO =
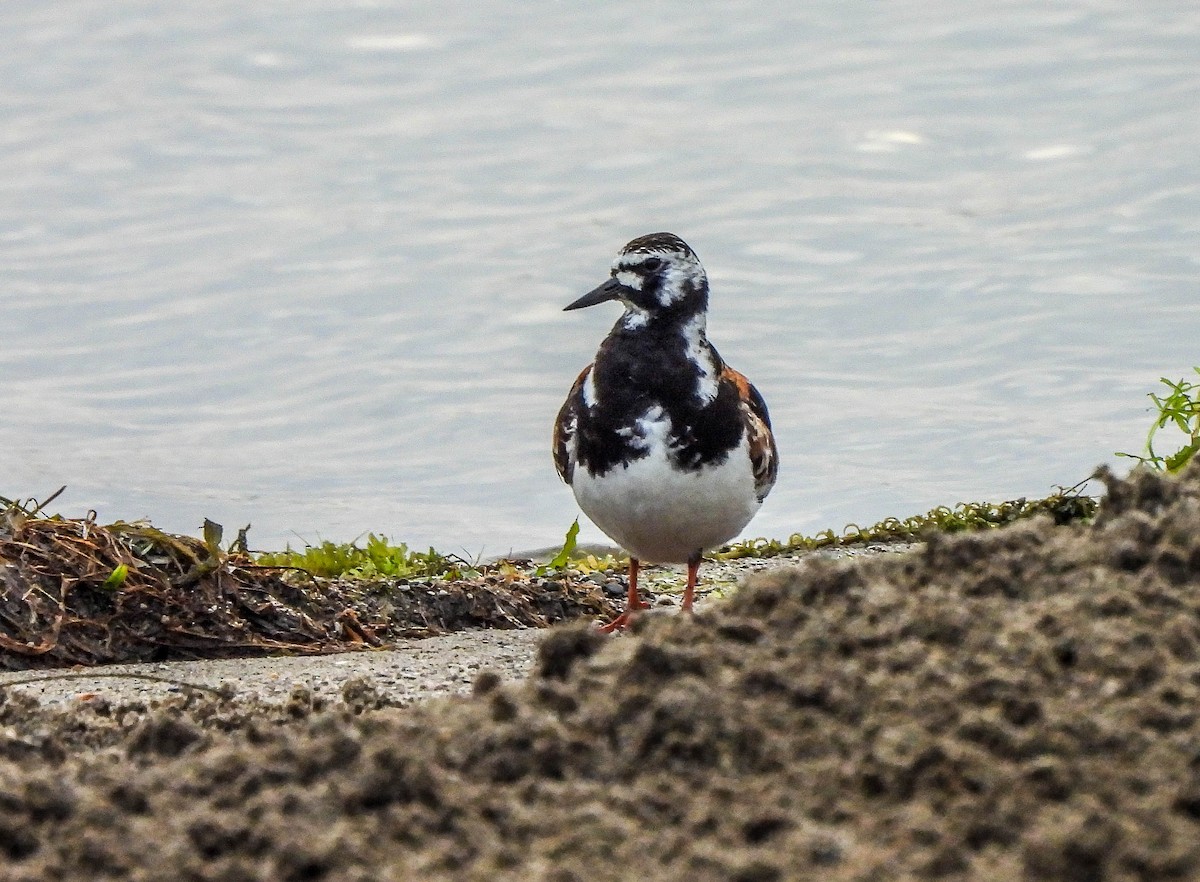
629,279
682,274
698,353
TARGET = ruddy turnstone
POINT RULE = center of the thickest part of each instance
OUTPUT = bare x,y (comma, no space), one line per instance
668,449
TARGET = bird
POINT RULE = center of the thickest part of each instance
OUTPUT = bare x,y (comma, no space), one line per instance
668,450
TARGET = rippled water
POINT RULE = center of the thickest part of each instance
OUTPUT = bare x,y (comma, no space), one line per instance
302,264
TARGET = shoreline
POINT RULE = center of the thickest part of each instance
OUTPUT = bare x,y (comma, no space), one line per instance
414,669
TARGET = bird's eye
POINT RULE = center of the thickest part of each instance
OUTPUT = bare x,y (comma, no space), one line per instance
652,263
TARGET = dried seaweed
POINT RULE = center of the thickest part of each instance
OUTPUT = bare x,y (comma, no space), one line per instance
76,592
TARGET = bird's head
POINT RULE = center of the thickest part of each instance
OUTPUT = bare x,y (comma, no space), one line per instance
653,276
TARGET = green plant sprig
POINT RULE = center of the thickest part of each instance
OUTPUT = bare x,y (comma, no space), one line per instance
1180,407
378,557
568,560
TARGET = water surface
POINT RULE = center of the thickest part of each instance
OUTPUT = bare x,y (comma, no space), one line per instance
302,264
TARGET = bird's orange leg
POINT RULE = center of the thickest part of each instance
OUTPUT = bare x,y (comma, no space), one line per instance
690,591
632,605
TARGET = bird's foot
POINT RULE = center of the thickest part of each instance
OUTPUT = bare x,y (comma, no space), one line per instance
621,622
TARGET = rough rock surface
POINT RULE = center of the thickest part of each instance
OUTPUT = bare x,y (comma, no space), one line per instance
1023,704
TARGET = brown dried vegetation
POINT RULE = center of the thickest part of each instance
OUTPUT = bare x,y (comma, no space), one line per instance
76,592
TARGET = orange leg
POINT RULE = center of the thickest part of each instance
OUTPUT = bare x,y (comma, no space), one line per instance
690,592
632,605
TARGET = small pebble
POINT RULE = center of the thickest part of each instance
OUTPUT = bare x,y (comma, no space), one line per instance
614,589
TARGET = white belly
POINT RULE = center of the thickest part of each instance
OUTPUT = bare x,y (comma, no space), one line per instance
660,515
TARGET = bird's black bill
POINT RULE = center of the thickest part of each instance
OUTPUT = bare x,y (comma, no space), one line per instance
610,290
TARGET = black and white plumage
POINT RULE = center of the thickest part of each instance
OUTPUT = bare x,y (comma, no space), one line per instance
668,450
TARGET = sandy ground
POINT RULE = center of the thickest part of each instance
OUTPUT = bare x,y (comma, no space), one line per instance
418,670
1017,705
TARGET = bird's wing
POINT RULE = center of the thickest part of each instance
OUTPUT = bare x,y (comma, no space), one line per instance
764,457
564,428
